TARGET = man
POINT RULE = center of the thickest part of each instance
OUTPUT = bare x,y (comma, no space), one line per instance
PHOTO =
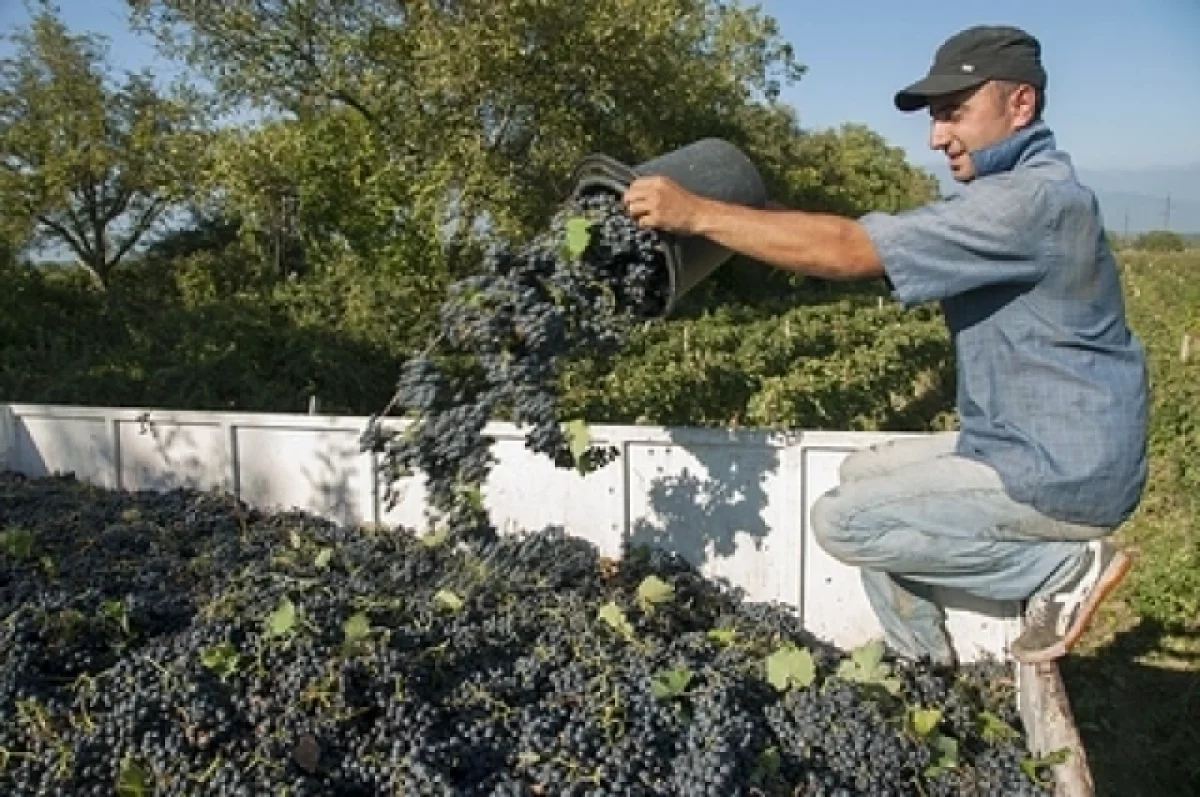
1050,456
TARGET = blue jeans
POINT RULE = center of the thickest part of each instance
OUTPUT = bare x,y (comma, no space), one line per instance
912,515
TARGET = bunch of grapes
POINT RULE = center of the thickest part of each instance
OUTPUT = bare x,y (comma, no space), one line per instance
581,287
181,643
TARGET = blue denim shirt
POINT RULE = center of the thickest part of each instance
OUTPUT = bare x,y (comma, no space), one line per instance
1051,384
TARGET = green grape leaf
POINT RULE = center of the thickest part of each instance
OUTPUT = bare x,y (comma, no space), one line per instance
579,438
945,750
994,730
790,666
653,591
1030,766
132,780
222,659
356,628
579,235
615,618
865,666
668,684
723,636
925,721
281,621
448,600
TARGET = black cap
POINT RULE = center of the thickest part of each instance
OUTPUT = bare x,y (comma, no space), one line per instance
974,56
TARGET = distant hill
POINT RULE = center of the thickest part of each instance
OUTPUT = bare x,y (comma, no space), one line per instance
1134,197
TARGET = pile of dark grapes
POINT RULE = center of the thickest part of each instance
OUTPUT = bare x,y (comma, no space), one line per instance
180,643
580,287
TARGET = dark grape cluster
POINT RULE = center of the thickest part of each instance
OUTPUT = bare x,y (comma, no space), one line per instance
580,287
181,643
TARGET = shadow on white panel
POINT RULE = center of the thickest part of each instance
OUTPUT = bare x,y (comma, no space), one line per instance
83,446
835,604
316,470
727,510
410,497
527,492
163,456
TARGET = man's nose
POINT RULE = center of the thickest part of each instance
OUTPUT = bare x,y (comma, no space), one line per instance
939,135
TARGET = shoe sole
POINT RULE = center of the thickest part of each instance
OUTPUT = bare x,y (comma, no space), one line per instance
1109,580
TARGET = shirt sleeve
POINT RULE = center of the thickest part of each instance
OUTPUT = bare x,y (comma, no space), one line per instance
991,233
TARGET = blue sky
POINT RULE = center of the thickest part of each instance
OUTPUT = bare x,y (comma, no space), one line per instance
1124,74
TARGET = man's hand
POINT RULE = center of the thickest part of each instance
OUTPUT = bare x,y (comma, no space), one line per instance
661,203
816,244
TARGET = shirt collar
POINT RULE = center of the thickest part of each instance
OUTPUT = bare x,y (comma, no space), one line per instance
1010,152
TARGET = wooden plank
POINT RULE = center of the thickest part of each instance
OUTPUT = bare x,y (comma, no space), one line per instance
1050,725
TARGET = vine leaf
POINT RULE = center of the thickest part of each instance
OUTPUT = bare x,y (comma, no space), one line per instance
579,235
994,730
579,440
357,628
945,750
614,617
222,659
132,780
283,620
448,600
791,666
653,591
436,538
17,543
767,767
865,666
925,721
723,636
669,684
1031,766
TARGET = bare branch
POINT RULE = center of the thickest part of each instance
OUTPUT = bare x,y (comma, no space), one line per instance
151,214
77,245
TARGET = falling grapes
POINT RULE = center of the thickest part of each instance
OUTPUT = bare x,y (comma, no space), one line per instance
581,287
181,643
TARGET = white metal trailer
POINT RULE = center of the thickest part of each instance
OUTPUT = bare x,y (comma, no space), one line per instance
733,502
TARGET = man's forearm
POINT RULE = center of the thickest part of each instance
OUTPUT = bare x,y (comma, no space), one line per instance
815,244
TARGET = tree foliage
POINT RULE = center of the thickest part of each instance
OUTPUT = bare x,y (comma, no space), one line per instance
398,140
1160,241
482,108
852,170
85,162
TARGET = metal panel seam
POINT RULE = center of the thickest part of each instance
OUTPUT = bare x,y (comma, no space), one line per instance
627,496
802,469
8,437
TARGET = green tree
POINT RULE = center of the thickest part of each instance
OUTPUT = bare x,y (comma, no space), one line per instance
852,170
84,162
1160,241
482,107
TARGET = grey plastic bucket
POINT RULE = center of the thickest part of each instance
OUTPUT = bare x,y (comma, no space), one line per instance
710,167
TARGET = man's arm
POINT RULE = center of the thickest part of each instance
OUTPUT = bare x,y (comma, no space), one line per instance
815,244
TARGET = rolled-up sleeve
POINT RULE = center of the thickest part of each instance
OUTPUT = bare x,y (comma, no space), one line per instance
992,233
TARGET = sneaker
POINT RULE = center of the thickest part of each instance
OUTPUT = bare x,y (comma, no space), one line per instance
1055,619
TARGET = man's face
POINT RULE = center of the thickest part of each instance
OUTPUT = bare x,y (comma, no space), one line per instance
975,119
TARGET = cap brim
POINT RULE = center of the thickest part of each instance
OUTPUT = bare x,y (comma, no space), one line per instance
918,95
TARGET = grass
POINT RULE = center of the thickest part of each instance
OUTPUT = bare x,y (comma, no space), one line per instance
1135,681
